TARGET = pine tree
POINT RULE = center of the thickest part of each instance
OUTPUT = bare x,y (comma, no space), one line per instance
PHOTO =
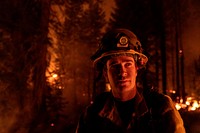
196,77
83,27
24,29
73,40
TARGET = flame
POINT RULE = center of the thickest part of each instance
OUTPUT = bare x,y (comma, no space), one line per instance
178,106
191,104
55,76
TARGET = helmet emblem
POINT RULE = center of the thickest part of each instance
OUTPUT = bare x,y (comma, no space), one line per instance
123,42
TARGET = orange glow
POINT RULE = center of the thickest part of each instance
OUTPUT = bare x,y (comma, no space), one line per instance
172,91
191,104
178,106
55,76
85,7
108,88
52,79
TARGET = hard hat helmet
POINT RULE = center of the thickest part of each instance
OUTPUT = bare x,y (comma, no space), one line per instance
119,42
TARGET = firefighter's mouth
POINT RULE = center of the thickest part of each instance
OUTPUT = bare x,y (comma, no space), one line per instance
122,81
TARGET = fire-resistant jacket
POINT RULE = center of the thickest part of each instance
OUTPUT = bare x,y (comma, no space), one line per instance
153,114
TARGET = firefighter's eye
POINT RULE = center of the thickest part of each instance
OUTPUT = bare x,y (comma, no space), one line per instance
114,66
128,64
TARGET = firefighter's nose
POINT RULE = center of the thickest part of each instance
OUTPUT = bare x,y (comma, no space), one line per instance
124,74
123,71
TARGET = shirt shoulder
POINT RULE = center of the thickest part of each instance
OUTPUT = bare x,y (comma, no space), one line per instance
99,102
160,103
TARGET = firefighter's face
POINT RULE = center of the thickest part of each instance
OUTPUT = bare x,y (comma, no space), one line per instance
121,72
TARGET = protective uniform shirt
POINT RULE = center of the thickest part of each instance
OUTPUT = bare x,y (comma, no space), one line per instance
155,114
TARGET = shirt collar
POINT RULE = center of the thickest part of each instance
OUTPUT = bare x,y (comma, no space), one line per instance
110,110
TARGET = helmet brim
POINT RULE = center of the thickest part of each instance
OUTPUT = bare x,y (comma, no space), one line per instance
142,58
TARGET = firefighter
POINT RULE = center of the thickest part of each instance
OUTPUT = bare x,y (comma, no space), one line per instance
125,108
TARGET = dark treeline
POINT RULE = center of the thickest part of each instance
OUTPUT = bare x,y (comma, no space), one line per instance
41,38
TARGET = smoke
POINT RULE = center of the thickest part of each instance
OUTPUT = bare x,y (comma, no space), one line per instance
15,114
9,112
191,39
